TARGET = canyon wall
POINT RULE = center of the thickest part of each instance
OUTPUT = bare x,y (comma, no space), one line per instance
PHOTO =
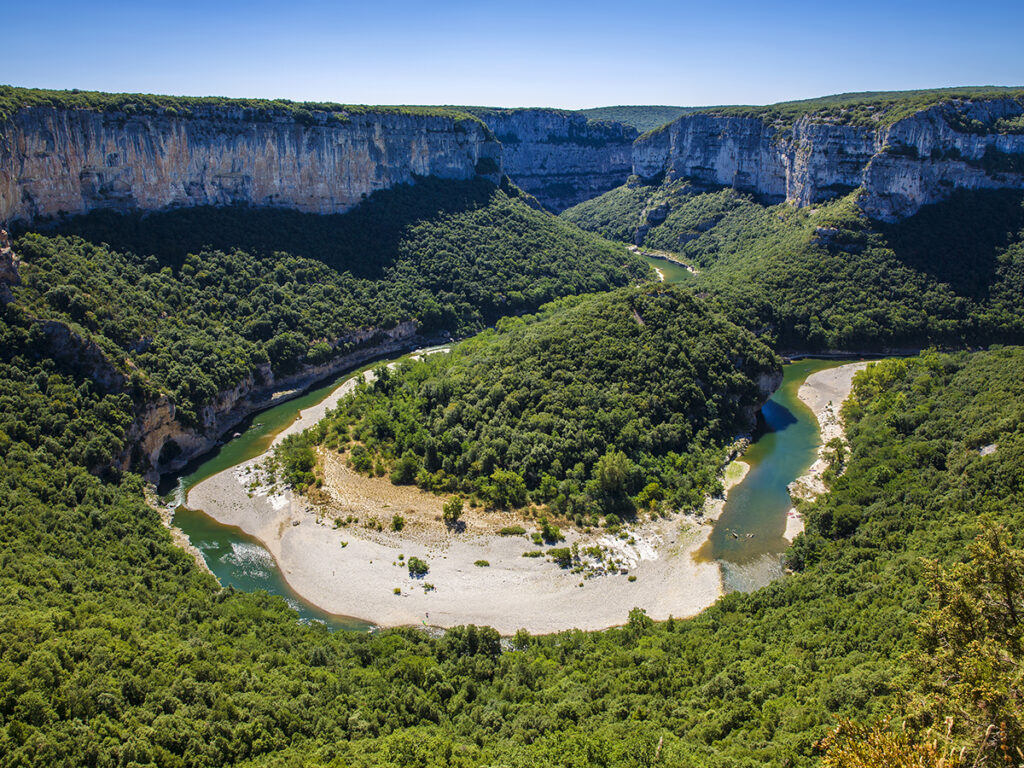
901,166
561,158
61,161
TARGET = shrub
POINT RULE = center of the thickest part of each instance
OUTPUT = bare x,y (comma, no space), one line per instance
452,511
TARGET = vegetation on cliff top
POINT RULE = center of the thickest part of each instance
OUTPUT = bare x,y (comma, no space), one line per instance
192,301
114,647
642,117
252,110
602,405
873,109
829,278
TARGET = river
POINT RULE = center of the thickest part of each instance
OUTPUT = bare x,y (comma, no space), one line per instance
235,558
747,541
673,271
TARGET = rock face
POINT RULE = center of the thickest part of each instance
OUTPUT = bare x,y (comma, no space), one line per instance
70,161
8,268
914,161
561,158
163,444
158,441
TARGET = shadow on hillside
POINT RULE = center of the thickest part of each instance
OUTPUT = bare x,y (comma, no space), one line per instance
958,240
364,241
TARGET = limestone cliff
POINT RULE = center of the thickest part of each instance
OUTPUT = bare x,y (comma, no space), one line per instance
56,161
914,161
164,444
158,441
8,268
561,158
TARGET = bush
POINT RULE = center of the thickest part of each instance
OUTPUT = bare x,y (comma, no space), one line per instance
482,564
405,469
562,556
452,511
418,567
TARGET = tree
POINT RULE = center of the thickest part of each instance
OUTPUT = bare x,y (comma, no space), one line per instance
405,469
452,511
508,488
967,709
972,649
611,472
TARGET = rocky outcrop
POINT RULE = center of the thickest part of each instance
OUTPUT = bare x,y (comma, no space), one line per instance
9,275
561,158
55,162
914,161
158,441
163,444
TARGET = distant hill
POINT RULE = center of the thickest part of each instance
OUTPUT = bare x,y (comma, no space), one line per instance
643,118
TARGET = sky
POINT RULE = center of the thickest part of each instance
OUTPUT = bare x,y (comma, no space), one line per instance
557,54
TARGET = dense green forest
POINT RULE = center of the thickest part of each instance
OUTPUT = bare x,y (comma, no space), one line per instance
116,650
600,405
895,639
643,118
190,301
872,109
829,278
254,110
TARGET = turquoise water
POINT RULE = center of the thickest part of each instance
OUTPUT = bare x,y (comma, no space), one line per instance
236,558
747,539
784,447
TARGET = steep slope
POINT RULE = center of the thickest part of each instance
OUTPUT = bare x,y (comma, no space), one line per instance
204,314
69,152
561,157
598,405
904,150
829,277
113,643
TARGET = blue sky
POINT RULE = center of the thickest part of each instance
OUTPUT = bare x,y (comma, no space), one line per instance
526,53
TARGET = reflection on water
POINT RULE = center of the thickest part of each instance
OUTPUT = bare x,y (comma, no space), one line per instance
673,271
747,539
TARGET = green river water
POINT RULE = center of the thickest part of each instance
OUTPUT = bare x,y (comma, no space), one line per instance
747,539
784,446
236,558
674,271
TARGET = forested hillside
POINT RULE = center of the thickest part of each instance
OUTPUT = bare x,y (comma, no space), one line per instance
894,639
828,277
870,108
596,406
12,99
115,649
189,302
